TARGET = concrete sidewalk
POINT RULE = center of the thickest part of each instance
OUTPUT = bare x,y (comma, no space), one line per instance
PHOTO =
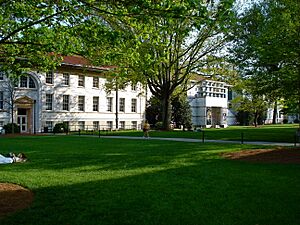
205,141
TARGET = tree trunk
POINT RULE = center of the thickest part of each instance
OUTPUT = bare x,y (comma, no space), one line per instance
255,118
166,112
274,113
12,116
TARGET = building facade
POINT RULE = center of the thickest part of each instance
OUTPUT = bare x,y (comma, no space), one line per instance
209,101
74,94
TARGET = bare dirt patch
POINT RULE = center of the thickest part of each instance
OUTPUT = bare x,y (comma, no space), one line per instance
278,155
13,198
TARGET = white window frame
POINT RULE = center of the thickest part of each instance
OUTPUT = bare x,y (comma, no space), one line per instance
81,81
122,105
66,102
49,77
96,104
26,82
109,125
81,125
109,104
81,103
66,79
134,125
134,105
95,82
49,101
96,125
122,125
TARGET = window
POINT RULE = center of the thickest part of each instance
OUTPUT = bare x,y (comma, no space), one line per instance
2,75
122,105
23,81
66,102
109,104
49,77
122,125
26,82
133,105
109,125
96,125
96,82
31,83
133,87
134,125
49,101
81,81
66,79
49,125
81,103
1,100
230,96
95,104
67,124
81,125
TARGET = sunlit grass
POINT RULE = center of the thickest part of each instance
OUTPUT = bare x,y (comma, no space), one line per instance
271,133
90,180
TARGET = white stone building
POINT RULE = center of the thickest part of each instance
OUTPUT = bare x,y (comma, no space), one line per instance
209,101
74,94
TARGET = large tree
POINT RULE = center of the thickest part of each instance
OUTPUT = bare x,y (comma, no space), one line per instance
36,33
163,50
267,48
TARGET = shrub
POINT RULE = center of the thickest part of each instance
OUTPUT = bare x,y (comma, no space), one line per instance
60,128
285,121
159,125
11,127
296,121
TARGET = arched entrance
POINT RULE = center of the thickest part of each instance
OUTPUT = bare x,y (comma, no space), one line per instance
25,109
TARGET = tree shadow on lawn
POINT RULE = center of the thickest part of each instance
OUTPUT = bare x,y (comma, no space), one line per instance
210,192
115,154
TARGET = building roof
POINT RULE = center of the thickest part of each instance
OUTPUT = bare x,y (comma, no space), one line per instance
81,62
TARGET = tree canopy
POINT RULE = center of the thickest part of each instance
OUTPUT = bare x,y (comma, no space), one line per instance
267,49
163,50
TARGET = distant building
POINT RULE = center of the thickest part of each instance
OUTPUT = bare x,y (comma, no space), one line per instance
75,94
209,104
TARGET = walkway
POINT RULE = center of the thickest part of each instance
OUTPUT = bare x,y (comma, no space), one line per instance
205,141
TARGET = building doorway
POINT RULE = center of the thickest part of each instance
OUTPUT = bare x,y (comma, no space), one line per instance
22,120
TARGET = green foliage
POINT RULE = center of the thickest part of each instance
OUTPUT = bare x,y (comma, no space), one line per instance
60,128
163,47
159,125
11,128
266,48
181,112
35,33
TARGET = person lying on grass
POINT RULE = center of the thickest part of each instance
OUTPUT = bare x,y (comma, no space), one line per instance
12,158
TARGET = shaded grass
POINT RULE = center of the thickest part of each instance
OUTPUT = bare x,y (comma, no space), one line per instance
101,181
271,133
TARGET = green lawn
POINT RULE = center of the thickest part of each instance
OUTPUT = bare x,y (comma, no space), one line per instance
276,133
89,180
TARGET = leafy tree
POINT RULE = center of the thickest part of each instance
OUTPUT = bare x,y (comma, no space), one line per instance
31,29
36,33
250,104
164,49
9,85
267,48
181,112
